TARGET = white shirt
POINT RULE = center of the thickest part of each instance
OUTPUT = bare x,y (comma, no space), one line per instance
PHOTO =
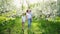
29,15
23,18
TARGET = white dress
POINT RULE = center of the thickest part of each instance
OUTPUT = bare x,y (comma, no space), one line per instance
23,18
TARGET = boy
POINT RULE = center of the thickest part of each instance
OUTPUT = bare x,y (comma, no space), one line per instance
23,21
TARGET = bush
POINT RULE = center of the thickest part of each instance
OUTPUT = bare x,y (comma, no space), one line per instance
6,23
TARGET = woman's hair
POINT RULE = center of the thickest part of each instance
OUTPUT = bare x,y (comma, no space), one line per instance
27,10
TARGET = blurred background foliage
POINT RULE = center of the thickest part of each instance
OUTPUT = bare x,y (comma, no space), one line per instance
46,16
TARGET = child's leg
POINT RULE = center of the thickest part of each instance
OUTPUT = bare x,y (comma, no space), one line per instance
23,25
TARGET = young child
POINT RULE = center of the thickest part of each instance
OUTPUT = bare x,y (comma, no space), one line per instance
23,20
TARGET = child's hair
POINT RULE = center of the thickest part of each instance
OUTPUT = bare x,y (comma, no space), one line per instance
23,13
27,10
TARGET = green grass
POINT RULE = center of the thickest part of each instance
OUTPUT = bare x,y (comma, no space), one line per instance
39,26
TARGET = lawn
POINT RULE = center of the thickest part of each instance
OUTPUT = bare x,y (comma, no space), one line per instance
38,26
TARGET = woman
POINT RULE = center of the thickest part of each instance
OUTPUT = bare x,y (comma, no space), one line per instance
29,18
